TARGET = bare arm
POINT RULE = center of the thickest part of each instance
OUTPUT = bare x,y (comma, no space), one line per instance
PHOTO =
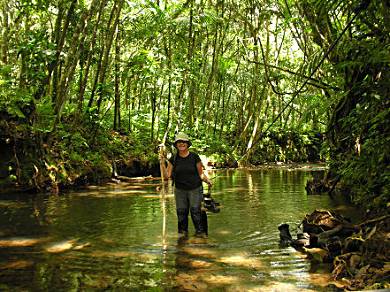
169,170
202,175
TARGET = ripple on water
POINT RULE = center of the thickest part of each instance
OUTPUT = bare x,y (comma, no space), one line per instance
131,240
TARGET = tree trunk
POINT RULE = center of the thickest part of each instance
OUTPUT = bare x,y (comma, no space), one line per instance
5,32
115,14
60,34
117,107
91,44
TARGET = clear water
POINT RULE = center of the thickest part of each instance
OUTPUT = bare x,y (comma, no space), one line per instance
122,237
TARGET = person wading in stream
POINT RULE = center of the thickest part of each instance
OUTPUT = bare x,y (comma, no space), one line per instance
186,170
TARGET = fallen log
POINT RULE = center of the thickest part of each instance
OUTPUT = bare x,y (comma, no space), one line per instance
136,179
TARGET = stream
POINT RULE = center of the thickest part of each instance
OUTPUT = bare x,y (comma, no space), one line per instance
123,237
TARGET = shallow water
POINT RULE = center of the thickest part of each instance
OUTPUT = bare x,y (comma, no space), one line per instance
122,237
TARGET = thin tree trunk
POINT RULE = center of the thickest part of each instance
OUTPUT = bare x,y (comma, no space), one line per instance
91,44
5,32
191,90
70,64
218,109
169,57
60,33
117,108
115,14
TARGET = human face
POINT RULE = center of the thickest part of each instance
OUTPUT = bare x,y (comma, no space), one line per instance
182,145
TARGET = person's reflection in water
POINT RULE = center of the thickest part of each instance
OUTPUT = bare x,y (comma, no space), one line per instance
192,264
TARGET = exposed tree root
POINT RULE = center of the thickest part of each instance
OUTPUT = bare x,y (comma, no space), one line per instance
359,253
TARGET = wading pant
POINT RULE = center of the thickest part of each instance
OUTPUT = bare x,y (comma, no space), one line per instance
189,201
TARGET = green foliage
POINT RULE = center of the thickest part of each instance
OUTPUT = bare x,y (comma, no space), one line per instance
217,150
289,146
13,101
192,62
366,171
44,116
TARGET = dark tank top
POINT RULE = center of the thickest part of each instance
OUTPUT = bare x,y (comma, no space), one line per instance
185,173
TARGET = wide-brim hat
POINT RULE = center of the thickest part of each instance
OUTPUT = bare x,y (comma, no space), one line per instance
182,137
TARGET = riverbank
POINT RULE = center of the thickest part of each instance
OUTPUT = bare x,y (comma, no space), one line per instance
357,252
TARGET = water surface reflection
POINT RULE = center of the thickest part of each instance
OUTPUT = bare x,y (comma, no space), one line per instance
123,237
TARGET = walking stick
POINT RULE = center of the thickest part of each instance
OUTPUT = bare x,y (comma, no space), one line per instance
163,192
162,168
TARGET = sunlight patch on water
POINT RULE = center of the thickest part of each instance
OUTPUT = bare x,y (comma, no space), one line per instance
221,279
142,258
224,232
204,281
113,193
16,265
65,245
61,246
282,287
190,282
242,260
197,264
199,251
22,241
157,196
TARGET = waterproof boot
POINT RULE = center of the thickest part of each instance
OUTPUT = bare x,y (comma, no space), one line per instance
196,216
182,221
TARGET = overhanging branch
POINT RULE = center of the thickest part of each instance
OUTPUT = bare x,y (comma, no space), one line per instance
312,81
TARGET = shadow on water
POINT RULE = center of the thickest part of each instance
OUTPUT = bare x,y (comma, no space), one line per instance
123,237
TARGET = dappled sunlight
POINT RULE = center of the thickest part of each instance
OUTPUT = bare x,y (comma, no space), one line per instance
119,189
16,265
199,264
113,193
118,254
190,282
198,251
221,279
141,257
283,287
55,247
123,188
151,196
61,246
224,232
242,260
65,245
203,280
81,246
155,196
187,262
22,241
